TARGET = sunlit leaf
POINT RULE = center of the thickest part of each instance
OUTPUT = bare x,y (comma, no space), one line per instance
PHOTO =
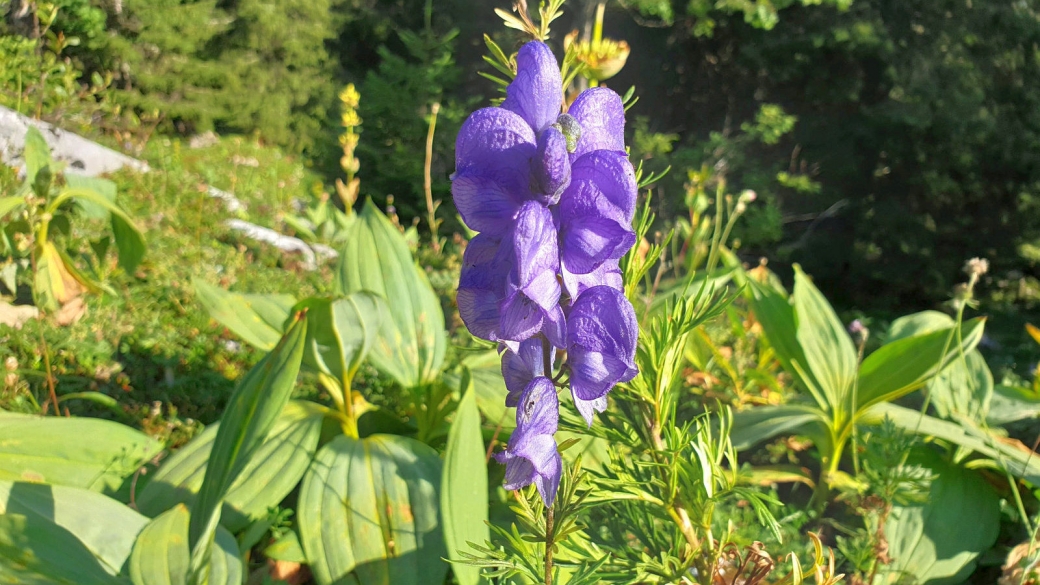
161,555
257,319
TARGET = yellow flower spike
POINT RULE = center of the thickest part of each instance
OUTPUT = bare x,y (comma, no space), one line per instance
350,96
350,119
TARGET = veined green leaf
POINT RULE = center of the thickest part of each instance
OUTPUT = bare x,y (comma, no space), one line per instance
34,551
937,542
918,324
104,526
251,412
37,154
257,319
368,513
1011,455
829,352
161,555
340,332
776,315
9,204
1011,404
273,472
53,450
963,389
902,366
464,486
376,258
757,424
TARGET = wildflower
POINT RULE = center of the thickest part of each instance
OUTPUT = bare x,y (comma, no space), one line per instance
976,267
552,196
531,455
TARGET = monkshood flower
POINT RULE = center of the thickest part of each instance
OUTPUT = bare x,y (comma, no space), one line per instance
531,456
552,196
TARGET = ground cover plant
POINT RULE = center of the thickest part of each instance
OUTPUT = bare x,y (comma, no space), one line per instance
561,371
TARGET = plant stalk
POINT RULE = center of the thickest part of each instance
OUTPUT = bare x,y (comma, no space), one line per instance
431,216
549,520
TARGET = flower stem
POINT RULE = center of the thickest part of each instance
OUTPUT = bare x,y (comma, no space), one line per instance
549,519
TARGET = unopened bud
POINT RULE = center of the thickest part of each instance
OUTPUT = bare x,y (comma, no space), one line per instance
11,364
747,196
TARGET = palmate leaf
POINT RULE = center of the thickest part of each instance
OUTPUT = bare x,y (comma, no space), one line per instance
369,513
464,485
411,343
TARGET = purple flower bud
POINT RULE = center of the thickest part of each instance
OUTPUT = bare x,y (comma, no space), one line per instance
552,166
601,115
536,94
531,455
601,344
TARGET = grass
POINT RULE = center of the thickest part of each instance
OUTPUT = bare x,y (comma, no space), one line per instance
150,345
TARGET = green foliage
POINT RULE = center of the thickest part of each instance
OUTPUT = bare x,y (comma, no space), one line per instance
33,550
369,512
161,555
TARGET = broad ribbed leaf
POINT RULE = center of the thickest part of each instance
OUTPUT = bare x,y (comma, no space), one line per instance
1008,453
161,555
267,478
34,551
104,526
368,513
1011,403
829,352
776,315
918,324
87,453
464,486
340,332
251,412
376,258
937,542
902,366
963,389
258,319
757,424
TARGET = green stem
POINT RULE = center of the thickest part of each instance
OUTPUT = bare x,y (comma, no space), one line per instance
549,521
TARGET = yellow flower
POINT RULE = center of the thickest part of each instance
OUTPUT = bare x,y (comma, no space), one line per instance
349,96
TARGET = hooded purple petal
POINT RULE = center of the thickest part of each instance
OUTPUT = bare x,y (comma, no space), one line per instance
486,205
588,408
552,166
601,342
522,319
536,94
493,138
607,176
482,285
521,366
589,241
608,274
601,115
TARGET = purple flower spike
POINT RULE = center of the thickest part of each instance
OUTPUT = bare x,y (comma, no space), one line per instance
523,365
596,211
552,166
601,344
531,455
601,115
537,92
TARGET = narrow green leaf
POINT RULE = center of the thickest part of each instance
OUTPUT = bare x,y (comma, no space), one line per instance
37,154
35,551
904,365
464,486
829,352
776,315
1011,455
79,511
368,513
376,258
258,319
52,450
249,416
9,204
269,476
129,239
758,424
161,555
